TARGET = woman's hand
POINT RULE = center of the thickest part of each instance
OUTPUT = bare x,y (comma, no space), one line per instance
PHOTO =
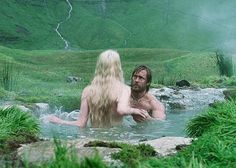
143,116
54,119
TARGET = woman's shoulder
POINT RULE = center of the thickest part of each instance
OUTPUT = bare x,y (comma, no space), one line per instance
88,87
123,86
125,89
86,90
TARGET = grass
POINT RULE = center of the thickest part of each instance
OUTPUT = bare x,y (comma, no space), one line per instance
215,146
225,64
215,130
117,24
7,76
16,127
218,81
219,120
41,75
67,157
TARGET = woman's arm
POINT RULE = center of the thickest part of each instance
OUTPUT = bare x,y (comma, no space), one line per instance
157,110
83,115
123,104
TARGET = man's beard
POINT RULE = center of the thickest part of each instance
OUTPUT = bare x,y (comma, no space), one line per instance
137,88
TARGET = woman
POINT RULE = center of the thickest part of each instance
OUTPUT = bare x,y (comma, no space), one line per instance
106,100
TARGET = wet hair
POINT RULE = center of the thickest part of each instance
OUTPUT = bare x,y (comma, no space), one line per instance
104,88
149,74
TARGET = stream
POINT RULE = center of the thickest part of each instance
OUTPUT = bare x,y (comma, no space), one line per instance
61,22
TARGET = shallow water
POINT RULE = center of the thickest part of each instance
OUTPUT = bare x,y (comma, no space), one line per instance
174,125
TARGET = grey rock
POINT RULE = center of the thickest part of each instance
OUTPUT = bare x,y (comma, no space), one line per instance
42,151
21,107
73,79
176,105
167,145
187,98
42,107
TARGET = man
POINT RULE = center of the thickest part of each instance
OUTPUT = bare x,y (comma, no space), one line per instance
140,98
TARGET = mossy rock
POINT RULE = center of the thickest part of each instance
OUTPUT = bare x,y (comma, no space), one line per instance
230,94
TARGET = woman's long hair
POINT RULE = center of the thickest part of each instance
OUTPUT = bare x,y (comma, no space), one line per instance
104,88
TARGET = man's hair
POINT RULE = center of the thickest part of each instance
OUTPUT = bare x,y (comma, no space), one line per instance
149,74
103,92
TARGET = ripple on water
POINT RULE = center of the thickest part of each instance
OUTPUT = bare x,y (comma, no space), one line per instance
174,125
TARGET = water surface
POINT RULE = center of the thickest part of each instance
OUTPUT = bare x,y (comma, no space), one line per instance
174,125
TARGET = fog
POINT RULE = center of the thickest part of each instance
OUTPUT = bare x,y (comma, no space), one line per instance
220,18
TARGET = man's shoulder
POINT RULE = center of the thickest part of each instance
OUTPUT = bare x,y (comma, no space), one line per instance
152,99
150,96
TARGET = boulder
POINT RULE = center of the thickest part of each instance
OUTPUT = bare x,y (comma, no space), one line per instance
177,105
168,145
73,79
42,151
182,83
42,107
21,107
187,98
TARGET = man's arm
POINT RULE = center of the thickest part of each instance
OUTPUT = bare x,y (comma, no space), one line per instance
158,109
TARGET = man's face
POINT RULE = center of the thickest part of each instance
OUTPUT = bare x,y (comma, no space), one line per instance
139,81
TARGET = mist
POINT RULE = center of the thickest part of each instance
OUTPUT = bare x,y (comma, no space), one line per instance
208,25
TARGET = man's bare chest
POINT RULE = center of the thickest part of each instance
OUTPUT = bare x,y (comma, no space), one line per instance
141,104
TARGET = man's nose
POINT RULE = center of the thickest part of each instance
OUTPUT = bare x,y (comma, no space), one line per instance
136,79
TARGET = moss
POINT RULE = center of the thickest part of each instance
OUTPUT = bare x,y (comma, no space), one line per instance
131,155
103,144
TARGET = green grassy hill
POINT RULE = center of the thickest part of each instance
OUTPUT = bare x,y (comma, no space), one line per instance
187,25
41,75
176,39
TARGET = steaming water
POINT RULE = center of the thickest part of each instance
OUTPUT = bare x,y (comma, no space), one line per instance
174,125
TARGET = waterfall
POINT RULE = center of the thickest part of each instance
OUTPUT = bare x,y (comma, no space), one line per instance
61,22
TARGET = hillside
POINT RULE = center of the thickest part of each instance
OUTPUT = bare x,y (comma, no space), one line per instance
41,75
102,24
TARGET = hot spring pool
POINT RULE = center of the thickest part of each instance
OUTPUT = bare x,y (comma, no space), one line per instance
174,125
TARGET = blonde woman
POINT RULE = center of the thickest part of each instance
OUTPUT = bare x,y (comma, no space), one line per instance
106,100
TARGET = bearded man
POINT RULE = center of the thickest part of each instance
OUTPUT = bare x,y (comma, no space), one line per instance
141,98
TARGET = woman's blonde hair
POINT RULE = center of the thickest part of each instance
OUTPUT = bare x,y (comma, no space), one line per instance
104,88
